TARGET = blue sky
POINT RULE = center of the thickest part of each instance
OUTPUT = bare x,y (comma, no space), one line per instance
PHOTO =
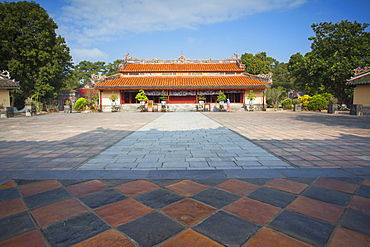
97,30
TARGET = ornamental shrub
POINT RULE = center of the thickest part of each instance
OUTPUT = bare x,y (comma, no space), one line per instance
287,103
304,101
317,102
296,101
80,104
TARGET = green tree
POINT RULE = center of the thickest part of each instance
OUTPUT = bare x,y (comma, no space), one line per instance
112,68
274,96
256,64
31,51
336,49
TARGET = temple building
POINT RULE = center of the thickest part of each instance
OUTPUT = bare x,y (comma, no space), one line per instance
182,80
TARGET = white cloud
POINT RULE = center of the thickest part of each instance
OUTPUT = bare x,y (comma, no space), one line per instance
89,21
88,54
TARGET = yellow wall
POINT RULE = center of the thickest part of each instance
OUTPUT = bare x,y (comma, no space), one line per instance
362,95
4,97
107,94
259,94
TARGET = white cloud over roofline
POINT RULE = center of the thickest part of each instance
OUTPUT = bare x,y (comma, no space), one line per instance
89,54
88,21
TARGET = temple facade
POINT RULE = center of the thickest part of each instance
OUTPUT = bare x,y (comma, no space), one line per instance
182,80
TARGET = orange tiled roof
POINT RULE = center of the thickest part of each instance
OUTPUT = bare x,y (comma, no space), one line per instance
186,67
182,82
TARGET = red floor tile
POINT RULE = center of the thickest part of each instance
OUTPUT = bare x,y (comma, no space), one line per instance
237,187
136,187
111,238
7,185
187,187
86,187
360,204
334,184
269,237
190,238
12,207
56,212
317,209
253,210
122,212
345,238
188,211
35,188
26,240
286,185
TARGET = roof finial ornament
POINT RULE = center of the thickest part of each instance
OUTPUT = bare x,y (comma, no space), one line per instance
5,75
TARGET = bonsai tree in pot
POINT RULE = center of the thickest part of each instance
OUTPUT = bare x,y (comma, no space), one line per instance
68,106
221,99
141,97
113,98
201,99
164,97
333,105
251,97
30,107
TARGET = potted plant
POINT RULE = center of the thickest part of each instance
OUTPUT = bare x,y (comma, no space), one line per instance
251,96
30,107
113,98
201,99
141,97
164,97
333,105
297,104
221,99
68,106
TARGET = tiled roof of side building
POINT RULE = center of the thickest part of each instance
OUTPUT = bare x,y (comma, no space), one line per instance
186,67
8,84
182,82
360,79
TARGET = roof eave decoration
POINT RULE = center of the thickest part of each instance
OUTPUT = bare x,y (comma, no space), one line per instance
6,82
361,77
127,59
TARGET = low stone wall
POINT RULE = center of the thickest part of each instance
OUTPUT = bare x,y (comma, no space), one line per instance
180,107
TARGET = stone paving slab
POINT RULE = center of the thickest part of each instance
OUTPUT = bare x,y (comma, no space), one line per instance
305,139
192,210
174,140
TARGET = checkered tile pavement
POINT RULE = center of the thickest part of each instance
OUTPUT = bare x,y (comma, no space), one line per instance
316,211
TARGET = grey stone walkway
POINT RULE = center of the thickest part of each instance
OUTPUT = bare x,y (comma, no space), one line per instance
183,141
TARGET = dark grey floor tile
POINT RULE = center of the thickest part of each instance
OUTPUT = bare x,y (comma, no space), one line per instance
364,191
357,221
163,174
326,195
67,182
15,225
271,196
313,231
314,172
102,197
9,194
160,198
363,171
75,230
201,174
227,229
46,198
257,181
253,173
26,181
215,197
151,229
